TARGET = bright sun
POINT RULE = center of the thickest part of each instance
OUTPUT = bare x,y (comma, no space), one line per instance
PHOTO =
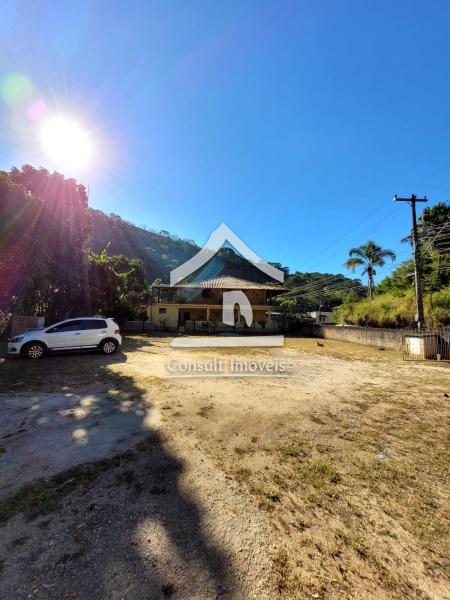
66,142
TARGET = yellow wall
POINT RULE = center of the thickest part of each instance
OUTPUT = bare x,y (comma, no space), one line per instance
169,319
159,320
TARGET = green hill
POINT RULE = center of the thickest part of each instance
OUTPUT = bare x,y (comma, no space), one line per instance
161,252
47,231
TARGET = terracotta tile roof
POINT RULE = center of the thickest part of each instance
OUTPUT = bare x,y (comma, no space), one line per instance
227,283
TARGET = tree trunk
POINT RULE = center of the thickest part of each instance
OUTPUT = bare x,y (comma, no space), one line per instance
370,282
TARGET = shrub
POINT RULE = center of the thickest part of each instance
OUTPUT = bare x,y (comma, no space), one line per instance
437,308
389,310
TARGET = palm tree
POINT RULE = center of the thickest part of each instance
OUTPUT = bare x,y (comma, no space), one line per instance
368,255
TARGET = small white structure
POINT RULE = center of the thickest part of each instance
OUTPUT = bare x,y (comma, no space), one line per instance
321,316
422,345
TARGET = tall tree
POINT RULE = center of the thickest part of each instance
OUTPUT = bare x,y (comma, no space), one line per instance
59,228
434,227
434,232
117,284
368,256
27,232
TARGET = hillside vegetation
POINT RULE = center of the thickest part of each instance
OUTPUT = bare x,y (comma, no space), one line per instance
60,258
393,303
389,310
309,291
46,265
162,251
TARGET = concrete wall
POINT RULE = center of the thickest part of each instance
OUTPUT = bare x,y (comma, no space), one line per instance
22,324
369,336
325,316
169,319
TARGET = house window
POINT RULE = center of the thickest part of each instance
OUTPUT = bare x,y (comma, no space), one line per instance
162,311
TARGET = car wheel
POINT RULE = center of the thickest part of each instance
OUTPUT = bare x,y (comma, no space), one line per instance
34,350
108,347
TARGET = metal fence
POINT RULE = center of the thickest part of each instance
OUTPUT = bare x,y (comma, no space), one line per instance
213,327
431,344
137,327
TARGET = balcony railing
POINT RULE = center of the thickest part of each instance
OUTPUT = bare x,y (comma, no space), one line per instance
212,301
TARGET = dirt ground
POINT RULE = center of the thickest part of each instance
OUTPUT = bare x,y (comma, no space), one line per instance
325,479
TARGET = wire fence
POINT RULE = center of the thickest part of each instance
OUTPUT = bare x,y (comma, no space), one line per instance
214,327
431,344
428,344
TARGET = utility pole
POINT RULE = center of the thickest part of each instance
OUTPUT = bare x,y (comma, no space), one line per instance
420,317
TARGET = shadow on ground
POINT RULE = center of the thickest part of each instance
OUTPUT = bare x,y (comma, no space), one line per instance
59,369
131,531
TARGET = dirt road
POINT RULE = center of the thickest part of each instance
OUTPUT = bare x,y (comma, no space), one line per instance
118,482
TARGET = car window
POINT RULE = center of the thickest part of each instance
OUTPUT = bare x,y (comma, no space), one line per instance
94,324
67,326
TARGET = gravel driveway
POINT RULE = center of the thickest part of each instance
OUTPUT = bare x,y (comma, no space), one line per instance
120,483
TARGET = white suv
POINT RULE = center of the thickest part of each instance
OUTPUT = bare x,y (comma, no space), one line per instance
72,334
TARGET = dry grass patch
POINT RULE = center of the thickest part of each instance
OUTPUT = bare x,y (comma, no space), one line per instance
348,461
43,496
318,473
357,498
345,350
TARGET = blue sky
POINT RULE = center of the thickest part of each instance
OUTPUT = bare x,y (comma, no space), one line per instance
292,122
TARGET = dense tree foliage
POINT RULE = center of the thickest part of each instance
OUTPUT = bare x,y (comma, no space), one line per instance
45,266
117,283
314,290
434,239
43,226
160,253
23,244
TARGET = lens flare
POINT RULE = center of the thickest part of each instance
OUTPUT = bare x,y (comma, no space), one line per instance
65,142
16,90
36,110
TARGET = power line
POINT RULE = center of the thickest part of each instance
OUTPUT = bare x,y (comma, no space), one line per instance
318,284
323,281
436,237
347,232
306,288
389,216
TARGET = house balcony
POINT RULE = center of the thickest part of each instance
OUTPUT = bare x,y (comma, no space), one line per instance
212,302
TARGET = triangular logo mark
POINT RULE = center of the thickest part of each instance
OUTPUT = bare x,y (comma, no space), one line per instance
215,241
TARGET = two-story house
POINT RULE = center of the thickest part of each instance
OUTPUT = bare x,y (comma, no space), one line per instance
197,305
